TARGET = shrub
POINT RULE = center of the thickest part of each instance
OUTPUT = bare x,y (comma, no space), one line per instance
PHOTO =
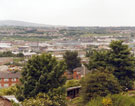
107,102
76,101
72,83
15,104
95,102
114,100
42,99
8,91
122,100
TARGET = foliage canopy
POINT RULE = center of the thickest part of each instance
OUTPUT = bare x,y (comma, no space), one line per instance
42,73
118,59
99,83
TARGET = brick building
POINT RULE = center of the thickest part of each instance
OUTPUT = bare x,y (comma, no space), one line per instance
8,78
80,72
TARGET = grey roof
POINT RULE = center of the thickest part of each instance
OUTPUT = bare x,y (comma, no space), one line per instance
7,74
81,70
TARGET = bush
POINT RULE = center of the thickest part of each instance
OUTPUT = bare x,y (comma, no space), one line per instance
114,100
53,98
8,91
75,102
95,102
15,104
107,101
122,100
72,83
99,83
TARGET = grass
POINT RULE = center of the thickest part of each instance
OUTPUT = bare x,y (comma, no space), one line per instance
91,34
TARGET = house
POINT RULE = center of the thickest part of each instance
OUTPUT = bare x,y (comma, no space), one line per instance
5,102
9,78
80,72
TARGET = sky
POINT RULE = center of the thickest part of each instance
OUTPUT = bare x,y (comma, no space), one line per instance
70,12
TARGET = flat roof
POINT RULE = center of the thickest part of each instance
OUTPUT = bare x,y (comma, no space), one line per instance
71,88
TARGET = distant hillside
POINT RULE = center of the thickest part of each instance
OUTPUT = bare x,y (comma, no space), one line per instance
21,23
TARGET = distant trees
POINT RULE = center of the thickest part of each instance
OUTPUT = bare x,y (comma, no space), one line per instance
89,52
72,60
20,55
41,74
7,54
118,60
10,54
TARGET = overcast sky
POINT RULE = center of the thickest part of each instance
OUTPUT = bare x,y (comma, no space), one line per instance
70,12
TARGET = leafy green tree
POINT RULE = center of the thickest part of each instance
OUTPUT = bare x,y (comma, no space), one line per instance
119,60
98,59
72,60
89,52
99,83
42,73
123,62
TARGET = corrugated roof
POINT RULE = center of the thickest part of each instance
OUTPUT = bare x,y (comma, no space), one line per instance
71,88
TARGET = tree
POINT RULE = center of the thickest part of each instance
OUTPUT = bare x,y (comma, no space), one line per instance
20,55
97,59
89,52
72,60
7,54
99,83
41,74
118,59
123,62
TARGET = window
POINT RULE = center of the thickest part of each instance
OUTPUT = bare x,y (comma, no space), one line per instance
6,85
6,80
13,79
